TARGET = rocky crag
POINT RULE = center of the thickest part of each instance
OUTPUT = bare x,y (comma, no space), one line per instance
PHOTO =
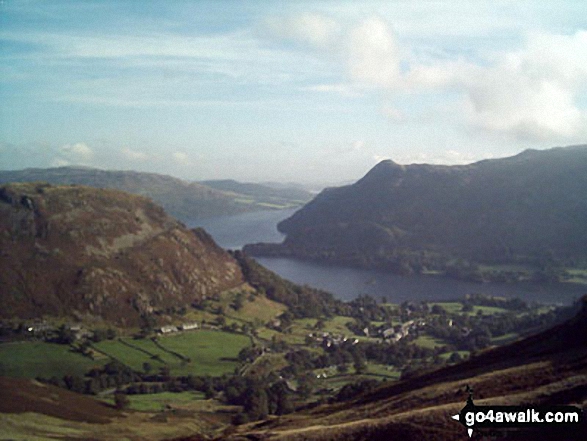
101,254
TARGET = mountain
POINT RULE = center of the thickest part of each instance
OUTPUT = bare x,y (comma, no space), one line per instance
526,208
184,200
263,193
549,368
101,254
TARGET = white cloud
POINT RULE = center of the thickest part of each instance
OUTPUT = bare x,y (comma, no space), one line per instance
59,162
532,93
314,30
449,156
380,158
134,155
346,90
79,153
181,158
373,54
528,94
393,113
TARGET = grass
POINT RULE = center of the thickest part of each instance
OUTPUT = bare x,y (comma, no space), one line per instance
39,359
36,427
266,364
446,355
457,308
130,357
507,267
261,309
425,341
157,402
161,357
488,310
210,352
577,275
506,338
389,372
450,307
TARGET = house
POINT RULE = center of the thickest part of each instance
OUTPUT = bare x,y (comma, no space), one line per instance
388,333
168,329
188,326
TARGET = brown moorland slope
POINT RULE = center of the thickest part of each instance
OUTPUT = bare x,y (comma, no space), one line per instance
94,253
549,368
21,395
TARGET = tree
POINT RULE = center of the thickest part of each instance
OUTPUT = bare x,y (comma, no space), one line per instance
147,367
438,310
239,301
165,372
121,401
306,384
65,335
455,357
467,307
256,402
360,365
320,324
280,399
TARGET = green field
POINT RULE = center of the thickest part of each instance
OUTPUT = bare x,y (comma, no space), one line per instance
210,352
38,359
457,308
446,355
506,338
389,372
157,402
577,275
428,342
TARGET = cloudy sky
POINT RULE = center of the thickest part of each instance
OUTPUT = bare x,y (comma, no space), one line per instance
312,91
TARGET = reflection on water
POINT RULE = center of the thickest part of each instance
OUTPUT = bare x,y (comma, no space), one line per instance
347,283
232,232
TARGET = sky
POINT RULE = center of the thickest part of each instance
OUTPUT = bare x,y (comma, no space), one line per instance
289,91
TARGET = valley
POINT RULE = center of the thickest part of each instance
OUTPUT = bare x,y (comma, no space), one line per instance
159,333
293,221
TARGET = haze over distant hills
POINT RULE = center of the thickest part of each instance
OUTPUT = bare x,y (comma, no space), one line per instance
269,194
86,253
527,208
184,200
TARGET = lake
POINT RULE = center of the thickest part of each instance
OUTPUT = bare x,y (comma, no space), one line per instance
232,232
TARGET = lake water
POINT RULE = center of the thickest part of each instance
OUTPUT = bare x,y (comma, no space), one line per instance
232,232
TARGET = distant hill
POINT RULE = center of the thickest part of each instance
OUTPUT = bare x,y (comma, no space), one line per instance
184,200
263,193
73,251
527,208
549,368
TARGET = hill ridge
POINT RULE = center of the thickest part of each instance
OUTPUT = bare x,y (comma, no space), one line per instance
526,208
81,251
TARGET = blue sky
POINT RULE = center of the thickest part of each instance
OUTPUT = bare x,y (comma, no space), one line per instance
310,91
